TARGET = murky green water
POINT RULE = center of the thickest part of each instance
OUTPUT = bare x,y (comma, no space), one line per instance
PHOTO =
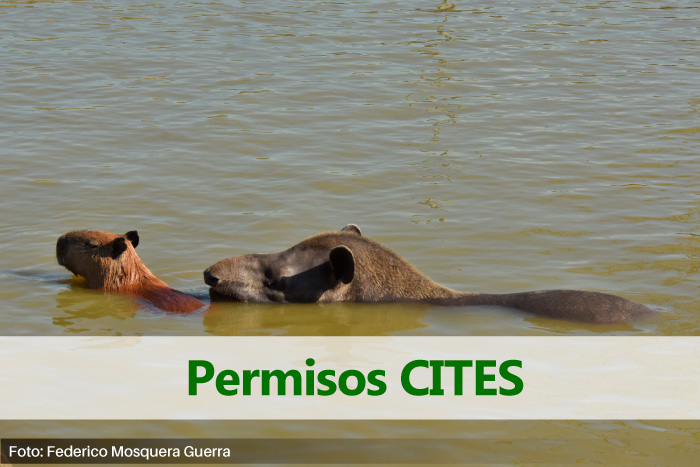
498,146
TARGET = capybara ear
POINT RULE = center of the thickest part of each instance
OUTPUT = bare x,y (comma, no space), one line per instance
343,263
118,247
352,228
133,237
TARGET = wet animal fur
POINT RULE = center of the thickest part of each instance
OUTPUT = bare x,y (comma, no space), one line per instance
344,266
109,262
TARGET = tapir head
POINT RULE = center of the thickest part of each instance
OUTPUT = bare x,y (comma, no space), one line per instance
320,268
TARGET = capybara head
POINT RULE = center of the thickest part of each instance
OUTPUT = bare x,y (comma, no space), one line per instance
104,259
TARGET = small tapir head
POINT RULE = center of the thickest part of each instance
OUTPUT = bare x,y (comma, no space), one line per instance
320,268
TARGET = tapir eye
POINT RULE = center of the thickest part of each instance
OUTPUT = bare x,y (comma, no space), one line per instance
272,282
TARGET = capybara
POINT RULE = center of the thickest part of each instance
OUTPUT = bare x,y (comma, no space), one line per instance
109,262
345,266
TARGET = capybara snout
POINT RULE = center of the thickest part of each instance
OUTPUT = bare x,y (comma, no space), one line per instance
61,249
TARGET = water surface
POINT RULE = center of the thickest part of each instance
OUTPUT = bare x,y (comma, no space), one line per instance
499,147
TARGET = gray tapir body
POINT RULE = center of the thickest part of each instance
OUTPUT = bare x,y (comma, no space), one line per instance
344,266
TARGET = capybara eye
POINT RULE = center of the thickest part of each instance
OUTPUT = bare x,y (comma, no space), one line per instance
91,244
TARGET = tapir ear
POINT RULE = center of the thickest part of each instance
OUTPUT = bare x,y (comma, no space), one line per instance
118,247
133,237
342,263
353,228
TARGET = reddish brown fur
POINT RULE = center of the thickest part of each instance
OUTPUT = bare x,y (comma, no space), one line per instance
109,262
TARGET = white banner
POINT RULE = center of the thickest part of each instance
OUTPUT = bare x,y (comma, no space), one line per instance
170,378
